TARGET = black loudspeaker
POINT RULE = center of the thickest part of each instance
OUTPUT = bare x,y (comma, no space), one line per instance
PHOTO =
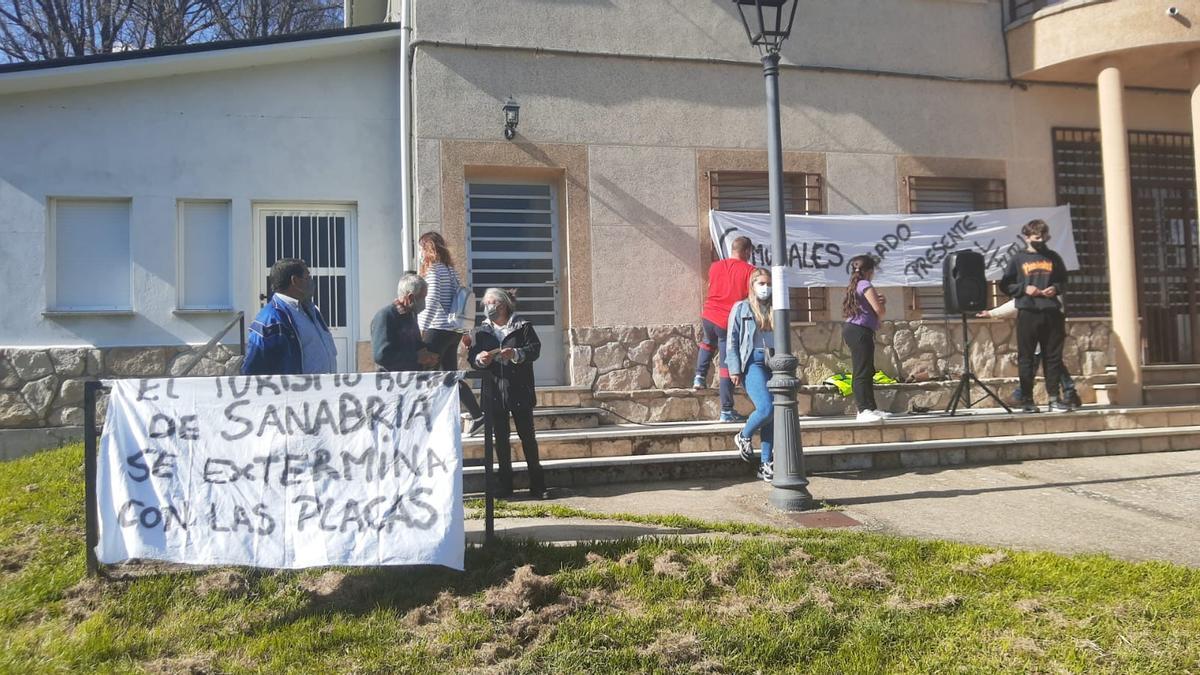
964,284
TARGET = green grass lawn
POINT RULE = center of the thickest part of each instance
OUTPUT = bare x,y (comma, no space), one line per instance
756,599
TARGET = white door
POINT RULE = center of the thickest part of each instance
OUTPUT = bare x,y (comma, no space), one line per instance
513,243
321,236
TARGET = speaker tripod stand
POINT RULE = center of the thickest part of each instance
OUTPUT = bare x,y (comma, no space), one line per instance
962,393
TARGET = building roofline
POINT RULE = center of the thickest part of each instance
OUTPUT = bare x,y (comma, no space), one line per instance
197,48
102,69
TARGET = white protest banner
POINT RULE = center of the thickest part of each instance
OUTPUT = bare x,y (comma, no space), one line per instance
283,471
909,248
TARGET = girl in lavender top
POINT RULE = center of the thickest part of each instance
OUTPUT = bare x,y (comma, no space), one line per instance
863,307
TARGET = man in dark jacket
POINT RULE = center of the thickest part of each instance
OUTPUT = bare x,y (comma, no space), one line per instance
1035,279
289,336
506,346
395,336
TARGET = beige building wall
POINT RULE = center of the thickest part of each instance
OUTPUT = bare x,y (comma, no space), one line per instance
958,38
656,96
645,250
1063,41
644,124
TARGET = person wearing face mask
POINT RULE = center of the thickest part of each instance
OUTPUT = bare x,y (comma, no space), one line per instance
863,307
1035,278
506,346
747,345
289,336
395,336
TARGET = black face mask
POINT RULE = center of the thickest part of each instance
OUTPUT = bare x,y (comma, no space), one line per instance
1040,246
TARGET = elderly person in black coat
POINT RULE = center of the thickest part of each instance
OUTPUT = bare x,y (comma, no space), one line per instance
506,346
395,336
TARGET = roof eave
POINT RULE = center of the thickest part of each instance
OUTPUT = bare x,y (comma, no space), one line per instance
108,68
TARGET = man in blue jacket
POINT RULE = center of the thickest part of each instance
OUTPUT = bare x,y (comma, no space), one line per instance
289,336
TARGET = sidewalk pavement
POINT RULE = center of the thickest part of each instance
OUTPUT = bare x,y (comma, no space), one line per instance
1137,507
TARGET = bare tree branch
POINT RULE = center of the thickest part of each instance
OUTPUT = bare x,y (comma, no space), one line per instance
33,30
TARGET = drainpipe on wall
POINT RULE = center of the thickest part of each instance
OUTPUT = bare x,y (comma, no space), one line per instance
406,163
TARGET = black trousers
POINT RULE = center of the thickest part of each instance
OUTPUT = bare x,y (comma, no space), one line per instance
861,342
444,343
523,419
1045,329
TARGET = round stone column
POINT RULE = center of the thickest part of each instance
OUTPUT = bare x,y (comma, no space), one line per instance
1118,219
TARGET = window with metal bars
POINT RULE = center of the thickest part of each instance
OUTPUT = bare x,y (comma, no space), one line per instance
1079,182
749,191
1162,178
952,195
1162,173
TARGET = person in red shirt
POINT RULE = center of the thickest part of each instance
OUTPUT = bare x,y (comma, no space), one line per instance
728,284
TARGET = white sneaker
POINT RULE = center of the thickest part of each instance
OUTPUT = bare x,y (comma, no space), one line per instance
883,414
868,416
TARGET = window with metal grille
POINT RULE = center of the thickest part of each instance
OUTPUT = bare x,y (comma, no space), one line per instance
749,191
1079,182
1164,219
952,195
512,245
319,239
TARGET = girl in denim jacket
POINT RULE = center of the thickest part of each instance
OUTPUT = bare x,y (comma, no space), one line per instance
749,339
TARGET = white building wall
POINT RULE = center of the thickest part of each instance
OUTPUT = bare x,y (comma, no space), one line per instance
311,131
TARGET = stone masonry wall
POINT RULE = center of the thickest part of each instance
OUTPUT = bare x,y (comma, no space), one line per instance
633,358
44,387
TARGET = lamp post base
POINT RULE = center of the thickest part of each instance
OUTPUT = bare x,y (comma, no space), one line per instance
786,499
789,488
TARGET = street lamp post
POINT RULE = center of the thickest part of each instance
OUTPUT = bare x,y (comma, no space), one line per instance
769,24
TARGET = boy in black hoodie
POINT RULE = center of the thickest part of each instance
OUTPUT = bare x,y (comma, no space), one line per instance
1035,278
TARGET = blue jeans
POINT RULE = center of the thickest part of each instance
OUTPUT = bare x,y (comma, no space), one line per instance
762,419
713,344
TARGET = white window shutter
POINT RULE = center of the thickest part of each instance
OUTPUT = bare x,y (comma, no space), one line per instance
91,255
204,256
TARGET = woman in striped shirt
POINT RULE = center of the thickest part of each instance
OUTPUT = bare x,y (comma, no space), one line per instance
438,270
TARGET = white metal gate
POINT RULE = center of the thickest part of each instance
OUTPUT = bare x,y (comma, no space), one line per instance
513,243
322,237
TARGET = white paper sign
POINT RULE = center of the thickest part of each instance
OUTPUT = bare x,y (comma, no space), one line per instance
283,471
909,248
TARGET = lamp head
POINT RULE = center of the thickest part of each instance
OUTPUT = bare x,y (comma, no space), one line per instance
768,22
512,117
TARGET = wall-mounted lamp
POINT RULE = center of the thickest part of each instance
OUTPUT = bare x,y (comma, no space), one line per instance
512,116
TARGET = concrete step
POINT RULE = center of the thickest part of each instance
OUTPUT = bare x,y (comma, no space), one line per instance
674,405
551,419
546,419
857,457
1106,394
685,437
564,396
559,396
555,397
1171,394
1174,373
